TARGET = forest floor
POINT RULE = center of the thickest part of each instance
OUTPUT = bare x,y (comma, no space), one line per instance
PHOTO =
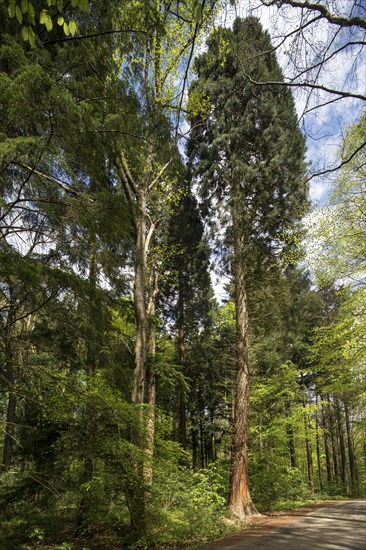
330,525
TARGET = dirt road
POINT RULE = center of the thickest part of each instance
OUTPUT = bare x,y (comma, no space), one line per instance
336,526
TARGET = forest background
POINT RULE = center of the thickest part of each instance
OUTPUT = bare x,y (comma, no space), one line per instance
143,147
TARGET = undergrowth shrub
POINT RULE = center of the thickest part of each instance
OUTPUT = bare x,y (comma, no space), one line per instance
186,505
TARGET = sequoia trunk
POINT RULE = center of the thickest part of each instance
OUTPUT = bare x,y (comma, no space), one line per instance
240,502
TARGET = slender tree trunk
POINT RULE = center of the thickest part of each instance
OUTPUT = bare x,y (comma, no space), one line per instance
151,389
182,418
290,436
320,476
150,421
182,361
328,454
291,446
240,502
9,372
202,443
195,449
83,525
309,453
351,453
137,491
334,441
344,477
9,431
213,437
139,300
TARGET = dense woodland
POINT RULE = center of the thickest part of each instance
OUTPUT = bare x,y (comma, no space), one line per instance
142,147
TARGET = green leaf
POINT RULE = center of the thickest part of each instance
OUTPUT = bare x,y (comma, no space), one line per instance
72,27
19,14
60,20
31,37
25,33
11,8
24,6
60,5
48,23
42,17
66,29
31,14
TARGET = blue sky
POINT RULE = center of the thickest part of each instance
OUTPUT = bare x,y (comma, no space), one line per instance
323,123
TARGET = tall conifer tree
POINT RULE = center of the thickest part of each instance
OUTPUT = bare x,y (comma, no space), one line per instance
248,152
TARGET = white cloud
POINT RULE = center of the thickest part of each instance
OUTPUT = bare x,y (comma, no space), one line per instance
318,191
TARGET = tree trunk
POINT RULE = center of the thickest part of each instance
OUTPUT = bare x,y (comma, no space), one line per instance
309,453
139,302
182,361
137,491
240,502
213,437
328,454
290,436
150,422
344,477
320,476
151,389
351,454
9,431
195,449
10,422
334,441
83,524
202,443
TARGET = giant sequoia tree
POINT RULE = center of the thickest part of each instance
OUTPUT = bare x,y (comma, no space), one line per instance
248,153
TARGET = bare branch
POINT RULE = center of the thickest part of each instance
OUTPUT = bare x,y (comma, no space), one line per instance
346,161
155,180
311,85
27,314
96,35
325,13
64,186
127,174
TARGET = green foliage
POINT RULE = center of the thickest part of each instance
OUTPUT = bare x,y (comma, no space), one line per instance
336,232
179,498
280,482
29,14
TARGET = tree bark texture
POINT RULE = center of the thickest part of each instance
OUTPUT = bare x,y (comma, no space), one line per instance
9,436
240,502
10,422
182,361
91,413
290,436
151,386
309,452
351,453
327,445
320,476
139,300
344,476
333,438
195,449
